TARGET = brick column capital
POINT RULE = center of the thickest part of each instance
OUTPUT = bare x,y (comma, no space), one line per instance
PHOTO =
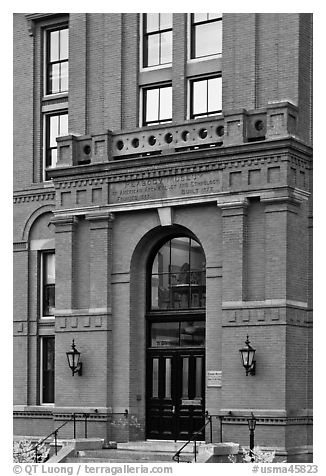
64,224
231,206
100,219
284,195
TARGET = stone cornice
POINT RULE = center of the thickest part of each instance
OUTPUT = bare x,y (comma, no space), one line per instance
146,172
182,162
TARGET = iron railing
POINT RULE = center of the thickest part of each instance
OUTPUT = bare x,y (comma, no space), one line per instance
74,419
194,438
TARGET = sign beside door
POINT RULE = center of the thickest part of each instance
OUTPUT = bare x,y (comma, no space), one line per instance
214,378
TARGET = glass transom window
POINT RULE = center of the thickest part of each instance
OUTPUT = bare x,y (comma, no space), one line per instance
178,276
206,34
205,97
157,39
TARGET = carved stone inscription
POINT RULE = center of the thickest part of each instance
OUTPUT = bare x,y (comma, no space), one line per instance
166,187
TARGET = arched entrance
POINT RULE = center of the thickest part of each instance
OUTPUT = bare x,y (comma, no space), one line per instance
175,341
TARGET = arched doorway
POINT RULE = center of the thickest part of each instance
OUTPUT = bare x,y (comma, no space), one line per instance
175,342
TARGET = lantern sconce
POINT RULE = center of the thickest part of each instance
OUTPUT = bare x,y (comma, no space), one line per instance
247,356
73,357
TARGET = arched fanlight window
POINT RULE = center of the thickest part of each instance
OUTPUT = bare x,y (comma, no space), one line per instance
178,276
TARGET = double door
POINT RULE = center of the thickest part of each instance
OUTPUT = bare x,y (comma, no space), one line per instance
175,402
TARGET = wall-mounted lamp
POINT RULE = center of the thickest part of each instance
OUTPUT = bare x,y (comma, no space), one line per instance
247,355
73,357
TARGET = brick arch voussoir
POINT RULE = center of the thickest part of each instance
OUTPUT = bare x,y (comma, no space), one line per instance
33,217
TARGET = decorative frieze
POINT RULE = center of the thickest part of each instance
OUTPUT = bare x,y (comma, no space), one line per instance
263,314
34,197
82,322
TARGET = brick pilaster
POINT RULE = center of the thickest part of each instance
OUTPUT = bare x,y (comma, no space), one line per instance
100,259
234,215
277,211
64,237
179,99
77,73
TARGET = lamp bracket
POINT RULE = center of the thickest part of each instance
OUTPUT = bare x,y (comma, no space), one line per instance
78,370
252,369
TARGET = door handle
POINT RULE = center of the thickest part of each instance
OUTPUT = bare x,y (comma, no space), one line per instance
173,408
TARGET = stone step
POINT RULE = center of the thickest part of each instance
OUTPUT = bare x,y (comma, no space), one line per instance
125,456
158,446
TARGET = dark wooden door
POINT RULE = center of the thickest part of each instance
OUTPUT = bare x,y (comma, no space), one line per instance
175,393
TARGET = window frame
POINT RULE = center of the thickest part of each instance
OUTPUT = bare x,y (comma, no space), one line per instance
42,370
42,284
192,39
143,103
193,80
144,45
46,137
47,44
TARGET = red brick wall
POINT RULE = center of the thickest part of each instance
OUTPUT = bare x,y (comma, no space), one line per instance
23,103
239,61
130,67
255,289
82,266
78,73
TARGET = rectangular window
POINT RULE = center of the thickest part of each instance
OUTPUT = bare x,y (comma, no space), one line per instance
157,39
48,284
206,34
47,370
57,49
205,97
56,125
157,105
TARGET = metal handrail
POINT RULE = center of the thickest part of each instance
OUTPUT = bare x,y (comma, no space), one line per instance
55,433
176,456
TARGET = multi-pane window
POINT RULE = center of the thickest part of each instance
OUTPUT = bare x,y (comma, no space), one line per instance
157,39
178,276
48,284
47,370
206,34
56,125
157,105
57,42
205,97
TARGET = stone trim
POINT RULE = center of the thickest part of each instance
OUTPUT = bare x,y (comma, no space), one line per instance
20,246
265,303
34,197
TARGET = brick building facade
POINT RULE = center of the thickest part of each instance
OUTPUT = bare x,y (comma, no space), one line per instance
162,213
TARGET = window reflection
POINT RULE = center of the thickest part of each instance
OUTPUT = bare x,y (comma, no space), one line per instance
56,126
157,105
192,334
206,97
178,334
57,61
157,39
165,334
206,34
178,275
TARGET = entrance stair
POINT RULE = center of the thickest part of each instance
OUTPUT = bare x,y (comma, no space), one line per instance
135,452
